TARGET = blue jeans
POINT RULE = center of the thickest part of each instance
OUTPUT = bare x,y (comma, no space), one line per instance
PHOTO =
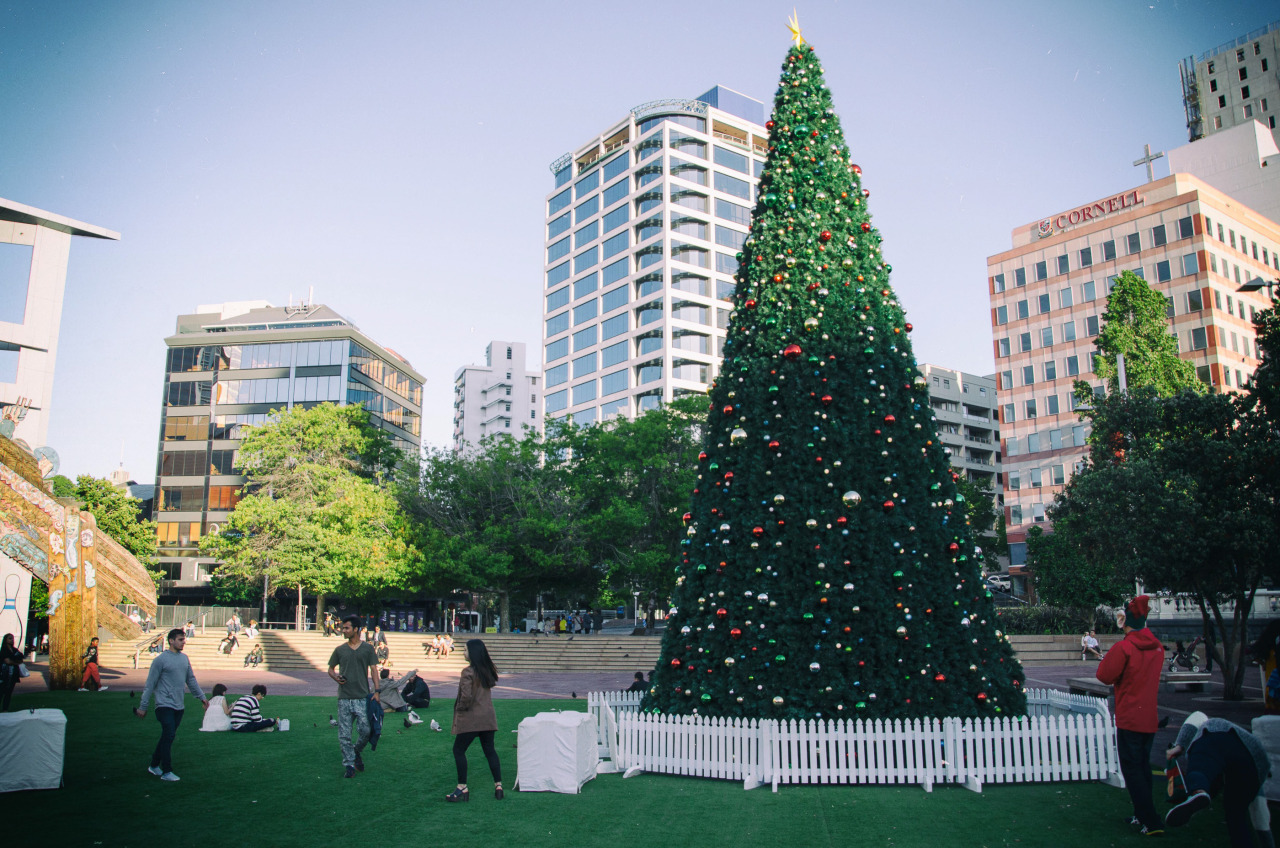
1221,761
169,719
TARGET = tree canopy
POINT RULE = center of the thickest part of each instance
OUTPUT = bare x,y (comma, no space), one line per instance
1136,324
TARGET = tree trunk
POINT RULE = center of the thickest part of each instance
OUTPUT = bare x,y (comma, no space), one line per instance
1233,640
319,608
299,614
504,612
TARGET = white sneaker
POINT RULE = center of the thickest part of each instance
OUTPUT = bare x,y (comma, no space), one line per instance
170,776
82,689
156,770
103,688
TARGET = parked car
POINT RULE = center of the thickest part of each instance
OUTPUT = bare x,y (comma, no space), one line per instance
999,582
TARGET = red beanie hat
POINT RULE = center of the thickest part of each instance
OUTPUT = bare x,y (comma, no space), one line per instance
1135,612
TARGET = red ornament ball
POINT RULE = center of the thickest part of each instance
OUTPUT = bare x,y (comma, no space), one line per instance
827,399
982,697
768,125
953,547
750,304
792,351
722,613
675,663
889,419
728,410
825,235
909,328
842,521
687,517
775,445
941,678
866,227
757,532
857,169
735,633
888,506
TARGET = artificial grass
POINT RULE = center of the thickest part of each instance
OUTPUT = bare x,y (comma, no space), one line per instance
286,789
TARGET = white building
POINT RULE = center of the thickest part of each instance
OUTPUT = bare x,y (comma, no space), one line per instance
499,397
34,247
1234,83
643,230
1243,162
968,417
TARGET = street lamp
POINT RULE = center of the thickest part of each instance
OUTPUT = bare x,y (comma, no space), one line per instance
637,597
1258,284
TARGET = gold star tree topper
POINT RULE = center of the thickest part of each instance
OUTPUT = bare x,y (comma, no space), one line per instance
793,24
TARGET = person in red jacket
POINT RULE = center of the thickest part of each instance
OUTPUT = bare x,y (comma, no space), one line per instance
1133,667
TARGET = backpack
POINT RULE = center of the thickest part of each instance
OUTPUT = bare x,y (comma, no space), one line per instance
1273,685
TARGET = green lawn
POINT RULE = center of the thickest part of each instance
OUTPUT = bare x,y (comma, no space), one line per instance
285,789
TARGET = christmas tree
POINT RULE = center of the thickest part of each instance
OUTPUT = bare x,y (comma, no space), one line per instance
827,570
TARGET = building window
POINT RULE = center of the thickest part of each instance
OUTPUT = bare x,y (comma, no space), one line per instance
1002,315
1042,270
1046,337
1158,237
557,349
1020,277
1086,257
1024,342
1069,331
1050,369
1185,230
1213,85
1037,478
557,401
999,283
586,285
1064,298
1015,481
1063,265
1008,413
1108,250
1195,300
1091,325
1199,340
1248,110
1190,266
1088,291
1006,380
1023,309
1072,366
1133,244
1003,346
1028,375
558,375
1051,408
584,365
1244,92
1043,304
1056,474
1162,271
1217,122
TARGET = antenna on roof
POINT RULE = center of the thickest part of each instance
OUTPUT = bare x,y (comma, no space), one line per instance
311,293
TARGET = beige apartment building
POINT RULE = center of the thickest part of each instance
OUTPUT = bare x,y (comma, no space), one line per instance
1191,242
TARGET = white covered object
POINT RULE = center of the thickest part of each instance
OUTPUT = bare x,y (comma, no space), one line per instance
1267,729
556,752
31,749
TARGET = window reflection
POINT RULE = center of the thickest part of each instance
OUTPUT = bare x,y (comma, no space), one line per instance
186,428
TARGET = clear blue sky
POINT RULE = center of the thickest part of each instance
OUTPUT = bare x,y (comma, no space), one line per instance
394,155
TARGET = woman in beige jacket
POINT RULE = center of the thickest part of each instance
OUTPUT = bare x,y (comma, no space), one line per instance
474,717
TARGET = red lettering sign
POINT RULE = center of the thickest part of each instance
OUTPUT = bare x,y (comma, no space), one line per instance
1093,211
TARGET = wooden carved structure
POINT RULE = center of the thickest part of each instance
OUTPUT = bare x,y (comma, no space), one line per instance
87,572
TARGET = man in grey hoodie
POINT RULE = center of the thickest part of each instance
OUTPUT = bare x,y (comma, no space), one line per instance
169,673
1223,755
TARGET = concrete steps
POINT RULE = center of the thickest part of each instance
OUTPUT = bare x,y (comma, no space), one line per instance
513,653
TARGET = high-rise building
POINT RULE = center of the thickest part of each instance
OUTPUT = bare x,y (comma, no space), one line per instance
227,367
1194,244
499,397
1234,83
643,230
34,248
968,417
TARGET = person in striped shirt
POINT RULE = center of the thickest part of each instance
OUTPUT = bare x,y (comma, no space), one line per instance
246,715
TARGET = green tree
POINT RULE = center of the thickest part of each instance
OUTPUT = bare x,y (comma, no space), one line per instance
1136,324
62,486
496,520
630,480
979,506
827,570
317,516
1071,577
1179,494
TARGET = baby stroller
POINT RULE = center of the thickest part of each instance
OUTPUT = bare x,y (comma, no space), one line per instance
1185,659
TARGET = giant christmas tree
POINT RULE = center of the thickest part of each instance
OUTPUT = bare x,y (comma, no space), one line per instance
828,570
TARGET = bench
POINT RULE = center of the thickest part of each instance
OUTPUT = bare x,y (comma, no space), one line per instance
1195,681
1088,686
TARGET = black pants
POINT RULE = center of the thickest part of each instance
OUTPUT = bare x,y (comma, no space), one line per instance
254,726
1221,761
463,742
1135,765
169,719
6,691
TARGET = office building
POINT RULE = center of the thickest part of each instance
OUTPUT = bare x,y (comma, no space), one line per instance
226,368
1193,243
499,397
1243,162
644,225
34,248
1234,83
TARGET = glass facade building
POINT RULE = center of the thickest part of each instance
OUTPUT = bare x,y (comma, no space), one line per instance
643,227
227,368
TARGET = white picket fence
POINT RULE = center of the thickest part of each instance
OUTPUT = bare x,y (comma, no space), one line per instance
1064,738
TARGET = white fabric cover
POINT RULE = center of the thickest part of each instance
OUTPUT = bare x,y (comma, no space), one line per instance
1267,729
556,752
31,749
